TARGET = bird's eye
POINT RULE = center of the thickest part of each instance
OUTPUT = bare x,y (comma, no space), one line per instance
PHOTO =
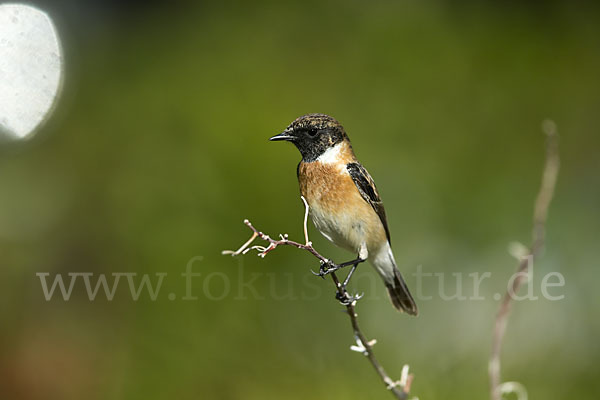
312,132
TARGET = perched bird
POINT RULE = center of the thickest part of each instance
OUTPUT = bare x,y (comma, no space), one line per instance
343,201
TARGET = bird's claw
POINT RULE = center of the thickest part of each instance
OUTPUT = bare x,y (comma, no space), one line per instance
320,273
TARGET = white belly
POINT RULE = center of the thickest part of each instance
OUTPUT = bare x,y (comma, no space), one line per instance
341,229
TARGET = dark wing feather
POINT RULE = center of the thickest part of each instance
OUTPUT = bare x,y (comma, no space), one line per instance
368,191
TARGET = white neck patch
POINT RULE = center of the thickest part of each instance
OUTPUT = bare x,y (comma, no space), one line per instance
331,155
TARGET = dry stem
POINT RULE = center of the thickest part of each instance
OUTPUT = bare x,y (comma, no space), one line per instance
400,389
540,214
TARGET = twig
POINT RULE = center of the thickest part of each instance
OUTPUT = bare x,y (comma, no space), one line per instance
400,389
540,214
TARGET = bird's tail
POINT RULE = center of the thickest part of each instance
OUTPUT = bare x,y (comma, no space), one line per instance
401,298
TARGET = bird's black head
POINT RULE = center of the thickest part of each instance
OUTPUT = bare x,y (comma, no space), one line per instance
313,134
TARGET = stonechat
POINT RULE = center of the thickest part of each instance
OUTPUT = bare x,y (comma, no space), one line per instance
343,201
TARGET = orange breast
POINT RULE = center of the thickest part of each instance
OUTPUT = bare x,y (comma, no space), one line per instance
337,207
324,185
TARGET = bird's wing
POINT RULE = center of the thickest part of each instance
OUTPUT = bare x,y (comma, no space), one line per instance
366,186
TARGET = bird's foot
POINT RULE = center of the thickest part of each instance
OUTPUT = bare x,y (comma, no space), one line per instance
346,298
326,268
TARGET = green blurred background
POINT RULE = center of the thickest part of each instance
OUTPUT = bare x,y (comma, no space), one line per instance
158,150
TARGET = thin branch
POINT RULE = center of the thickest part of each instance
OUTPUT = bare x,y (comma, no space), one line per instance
540,214
400,389
305,220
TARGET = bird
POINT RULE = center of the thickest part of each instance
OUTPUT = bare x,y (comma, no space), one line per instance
343,202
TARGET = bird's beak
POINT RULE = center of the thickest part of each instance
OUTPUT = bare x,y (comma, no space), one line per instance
285,135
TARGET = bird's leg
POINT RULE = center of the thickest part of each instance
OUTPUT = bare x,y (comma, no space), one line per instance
329,266
343,296
353,262
349,276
